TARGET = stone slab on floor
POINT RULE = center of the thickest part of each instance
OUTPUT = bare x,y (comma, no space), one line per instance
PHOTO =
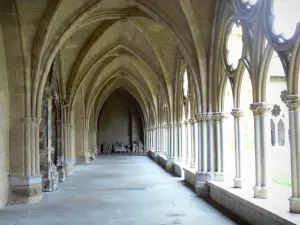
118,190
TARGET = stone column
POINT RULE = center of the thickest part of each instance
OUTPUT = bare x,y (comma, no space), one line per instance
171,155
238,114
180,126
189,144
48,169
293,103
218,119
93,150
185,142
210,148
61,150
68,164
156,138
192,139
262,141
175,134
202,189
199,137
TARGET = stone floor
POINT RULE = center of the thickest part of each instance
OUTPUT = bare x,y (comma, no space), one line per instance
119,190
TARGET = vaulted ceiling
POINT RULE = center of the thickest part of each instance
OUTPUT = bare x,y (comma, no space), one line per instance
136,44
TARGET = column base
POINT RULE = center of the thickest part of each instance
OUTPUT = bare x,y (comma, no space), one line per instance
210,176
179,159
192,165
201,187
169,165
25,190
83,159
219,177
260,192
92,156
294,205
68,168
238,183
50,184
62,174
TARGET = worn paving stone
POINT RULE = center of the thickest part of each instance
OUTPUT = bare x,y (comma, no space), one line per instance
118,190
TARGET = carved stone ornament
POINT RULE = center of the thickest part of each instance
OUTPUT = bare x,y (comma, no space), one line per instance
293,102
276,110
260,108
179,123
284,95
198,117
192,121
237,113
220,116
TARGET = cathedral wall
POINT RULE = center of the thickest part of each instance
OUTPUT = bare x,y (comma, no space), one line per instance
4,126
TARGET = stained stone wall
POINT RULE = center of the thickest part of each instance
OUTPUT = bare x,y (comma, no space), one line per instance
120,120
4,125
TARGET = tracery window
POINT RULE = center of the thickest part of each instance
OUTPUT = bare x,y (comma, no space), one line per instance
234,45
287,15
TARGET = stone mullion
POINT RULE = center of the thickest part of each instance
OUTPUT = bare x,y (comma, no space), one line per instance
262,121
293,103
238,114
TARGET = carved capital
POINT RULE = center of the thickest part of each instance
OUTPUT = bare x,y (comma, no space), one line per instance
260,108
186,122
237,113
292,102
198,117
219,116
27,120
179,123
192,121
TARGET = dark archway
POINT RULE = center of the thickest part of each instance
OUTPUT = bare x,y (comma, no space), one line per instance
120,124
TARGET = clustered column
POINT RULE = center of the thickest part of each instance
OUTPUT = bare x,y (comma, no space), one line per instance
218,118
293,103
180,150
261,128
238,114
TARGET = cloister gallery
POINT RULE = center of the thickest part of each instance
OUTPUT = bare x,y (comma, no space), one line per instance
208,89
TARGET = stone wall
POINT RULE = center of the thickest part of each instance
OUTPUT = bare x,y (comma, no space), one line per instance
120,120
4,125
